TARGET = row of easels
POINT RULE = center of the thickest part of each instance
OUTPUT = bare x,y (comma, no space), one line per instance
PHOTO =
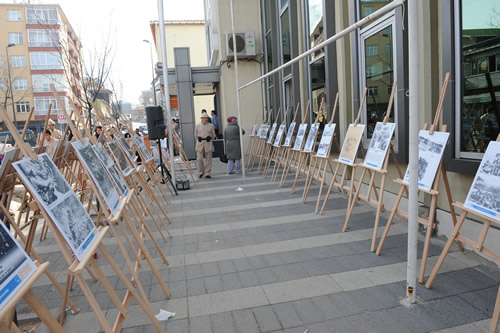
126,222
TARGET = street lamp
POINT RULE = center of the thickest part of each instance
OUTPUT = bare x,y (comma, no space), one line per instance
10,82
152,70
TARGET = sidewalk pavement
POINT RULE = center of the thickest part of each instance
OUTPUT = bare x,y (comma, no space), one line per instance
258,260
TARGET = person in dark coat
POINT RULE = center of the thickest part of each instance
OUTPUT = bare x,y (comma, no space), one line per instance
232,143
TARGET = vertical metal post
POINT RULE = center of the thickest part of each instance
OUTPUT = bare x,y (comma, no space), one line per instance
161,25
236,78
152,70
414,70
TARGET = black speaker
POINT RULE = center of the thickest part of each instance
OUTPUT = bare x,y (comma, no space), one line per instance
156,124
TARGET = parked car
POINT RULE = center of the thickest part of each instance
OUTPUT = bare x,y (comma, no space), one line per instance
29,137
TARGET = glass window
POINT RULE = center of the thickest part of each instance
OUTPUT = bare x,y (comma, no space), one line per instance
379,74
315,18
16,38
21,84
267,15
479,56
13,15
42,105
18,61
41,83
45,60
285,41
23,107
283,3
42,15
269,57
317,75
369,6
43,38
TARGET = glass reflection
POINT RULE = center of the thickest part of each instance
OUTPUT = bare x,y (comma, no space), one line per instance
366,7
285,41
316,34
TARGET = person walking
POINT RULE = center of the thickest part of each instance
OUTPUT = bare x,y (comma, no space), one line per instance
51,143
56,134
232,143
215,123
204,135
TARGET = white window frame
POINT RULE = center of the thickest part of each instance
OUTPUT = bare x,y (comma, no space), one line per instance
44,38
41,14
46,100
22,107
388,19
19,86
36,59
18,61
16,38
14,15
41,82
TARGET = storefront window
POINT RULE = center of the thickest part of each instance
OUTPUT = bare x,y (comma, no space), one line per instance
316,34
285,41
379,74
317,73
479,55
369,6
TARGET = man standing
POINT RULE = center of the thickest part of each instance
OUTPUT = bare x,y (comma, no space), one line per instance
204,134
215,123
56,134
51,143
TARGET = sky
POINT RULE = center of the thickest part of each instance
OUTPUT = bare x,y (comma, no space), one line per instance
127,22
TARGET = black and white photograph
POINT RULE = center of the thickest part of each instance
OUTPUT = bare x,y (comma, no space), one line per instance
43,177
430,152
279,136
311,138
118,179
15,266
103,155
120,157
299,139
8,156
379,144
263,134
74,223
254,130
484,194
351,143
289,134
98,173
326,140
259,132
126,147
142,147
271,134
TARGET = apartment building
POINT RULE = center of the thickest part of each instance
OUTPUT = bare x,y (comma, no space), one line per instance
456,36
42,49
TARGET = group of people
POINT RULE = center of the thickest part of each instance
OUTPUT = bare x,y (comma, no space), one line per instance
208,130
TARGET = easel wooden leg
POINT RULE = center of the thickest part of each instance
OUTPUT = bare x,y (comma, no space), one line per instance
302,160
333,182
430,226
350,206
454,234
379,211
322,181
452,208
389,222
41,311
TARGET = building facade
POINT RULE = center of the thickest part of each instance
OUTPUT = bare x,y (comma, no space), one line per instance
458,37
42,49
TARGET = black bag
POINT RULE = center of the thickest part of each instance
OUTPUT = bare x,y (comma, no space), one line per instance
223,158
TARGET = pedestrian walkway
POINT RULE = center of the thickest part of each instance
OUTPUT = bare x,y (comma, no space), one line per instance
247,256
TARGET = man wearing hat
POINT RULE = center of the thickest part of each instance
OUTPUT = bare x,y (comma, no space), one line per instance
56,134
204,135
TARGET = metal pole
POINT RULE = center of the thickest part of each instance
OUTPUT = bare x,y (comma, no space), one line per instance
10,83
236,78
152,70
359,24
414,68
161,25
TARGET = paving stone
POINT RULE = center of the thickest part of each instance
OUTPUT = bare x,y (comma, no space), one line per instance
245,322
195,287
200,325
230,281
213,284
379,321
307,311
178,326
266,319
287,315
248,279
226,266
242,264
222,323
193,272
209,269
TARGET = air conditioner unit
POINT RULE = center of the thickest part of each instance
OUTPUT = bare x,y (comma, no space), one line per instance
245,44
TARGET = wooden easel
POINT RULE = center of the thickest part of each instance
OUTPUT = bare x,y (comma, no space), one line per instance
7,312
477,245
292,158
268,146
259,151
276,144
323,165
341,186
251,141
434,192
304,157
285,148
383,171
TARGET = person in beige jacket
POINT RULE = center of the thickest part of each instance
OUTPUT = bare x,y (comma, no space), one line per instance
204,135
51,143
56,134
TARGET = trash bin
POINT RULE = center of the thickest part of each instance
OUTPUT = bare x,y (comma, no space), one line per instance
218,150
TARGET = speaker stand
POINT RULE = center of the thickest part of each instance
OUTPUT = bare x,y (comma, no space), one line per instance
164,170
